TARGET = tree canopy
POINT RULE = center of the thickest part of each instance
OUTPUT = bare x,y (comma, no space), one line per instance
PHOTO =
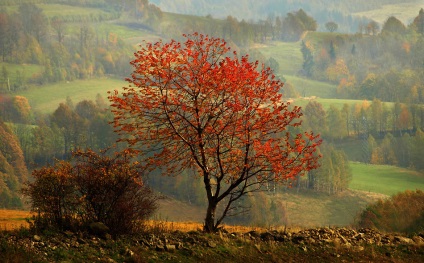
191,106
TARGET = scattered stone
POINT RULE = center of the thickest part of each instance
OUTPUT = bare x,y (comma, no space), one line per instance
404,240
419,241
254,234
211,244
129,252
258,247
37,238
267,236
160,247
81,241
170,248
179,245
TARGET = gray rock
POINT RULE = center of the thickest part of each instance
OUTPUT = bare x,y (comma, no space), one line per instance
160,247
211,244
170,248
37,238
418,240
404,240
129,252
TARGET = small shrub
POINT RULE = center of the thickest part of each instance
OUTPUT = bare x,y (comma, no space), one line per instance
403,212
94,188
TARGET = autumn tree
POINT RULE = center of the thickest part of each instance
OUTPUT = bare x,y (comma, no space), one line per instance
333,175
33,20
372,28
192,106
418,22
308,58
393,25
315,116
331,26
13,171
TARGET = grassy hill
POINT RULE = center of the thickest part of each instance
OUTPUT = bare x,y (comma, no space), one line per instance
290,60
384,179
47,98
405,12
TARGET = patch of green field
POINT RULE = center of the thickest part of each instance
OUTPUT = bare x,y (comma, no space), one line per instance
320,38
384,179
27,69
289,57
122,31
405,12
326,103
287,54
46,99
308,87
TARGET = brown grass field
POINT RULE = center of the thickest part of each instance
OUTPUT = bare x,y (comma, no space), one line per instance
12,219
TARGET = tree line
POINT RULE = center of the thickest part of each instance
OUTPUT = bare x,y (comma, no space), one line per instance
388,134
65,50
45,137
384,65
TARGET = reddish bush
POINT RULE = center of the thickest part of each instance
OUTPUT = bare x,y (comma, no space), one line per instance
403,212
95,187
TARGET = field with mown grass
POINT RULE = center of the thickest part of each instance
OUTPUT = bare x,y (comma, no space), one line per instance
384,179
47,98
405,12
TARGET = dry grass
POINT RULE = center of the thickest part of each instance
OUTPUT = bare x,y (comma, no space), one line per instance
193,226
13,219
166,226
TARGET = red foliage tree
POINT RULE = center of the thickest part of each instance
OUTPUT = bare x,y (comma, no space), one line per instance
195,107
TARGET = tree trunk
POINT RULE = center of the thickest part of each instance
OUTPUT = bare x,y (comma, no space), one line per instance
210,217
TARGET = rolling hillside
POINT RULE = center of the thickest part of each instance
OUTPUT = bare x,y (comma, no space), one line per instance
322,10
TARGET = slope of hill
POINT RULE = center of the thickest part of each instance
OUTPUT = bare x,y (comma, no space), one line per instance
322,10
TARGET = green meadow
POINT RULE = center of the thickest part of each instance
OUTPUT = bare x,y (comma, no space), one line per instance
384,179
27,70
289,58
287,54
47,98
308,87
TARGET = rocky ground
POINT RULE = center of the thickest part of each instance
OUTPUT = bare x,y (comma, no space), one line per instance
312,245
